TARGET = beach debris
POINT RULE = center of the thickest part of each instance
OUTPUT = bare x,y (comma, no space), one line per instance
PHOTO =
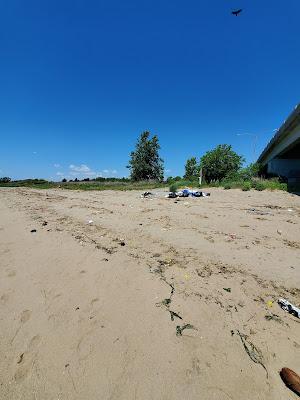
227,289
172,195
270,303
187,193
258,212
20,358
166,302
253,352
122,243
90,221
146,195
174,314
33,231
289,307
274,317
290,210
180,329
45,223
291,380
279,231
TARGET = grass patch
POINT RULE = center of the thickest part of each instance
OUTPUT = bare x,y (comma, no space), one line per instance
91,185
245,185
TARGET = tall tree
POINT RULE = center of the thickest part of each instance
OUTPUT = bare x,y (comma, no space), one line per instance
145,162
220,162
191,168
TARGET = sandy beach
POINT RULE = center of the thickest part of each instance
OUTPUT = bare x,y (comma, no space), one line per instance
155,299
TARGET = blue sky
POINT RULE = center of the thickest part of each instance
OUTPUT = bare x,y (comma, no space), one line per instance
79,80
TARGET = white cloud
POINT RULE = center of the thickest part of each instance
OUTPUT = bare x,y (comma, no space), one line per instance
109,172
79,168
56,165
83,171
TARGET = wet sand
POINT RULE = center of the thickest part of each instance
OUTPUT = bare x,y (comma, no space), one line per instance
155,299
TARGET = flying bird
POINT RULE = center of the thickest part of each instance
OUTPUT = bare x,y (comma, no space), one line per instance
237,12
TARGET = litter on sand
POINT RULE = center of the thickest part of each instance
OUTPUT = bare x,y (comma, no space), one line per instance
187,193
258,212
90,221
33,231
291,380
146,195
289,307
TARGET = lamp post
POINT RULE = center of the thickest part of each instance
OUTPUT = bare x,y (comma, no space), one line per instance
254,142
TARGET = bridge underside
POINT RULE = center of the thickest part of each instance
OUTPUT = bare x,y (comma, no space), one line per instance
281,157
286,163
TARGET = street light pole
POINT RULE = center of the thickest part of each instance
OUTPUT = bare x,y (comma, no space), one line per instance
254,143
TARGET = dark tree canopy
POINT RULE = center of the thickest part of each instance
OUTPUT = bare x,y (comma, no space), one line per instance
220,162
5,179
191,168
145,162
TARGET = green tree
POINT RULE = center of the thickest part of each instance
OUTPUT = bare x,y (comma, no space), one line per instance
5,179
220,162
191,168
145,162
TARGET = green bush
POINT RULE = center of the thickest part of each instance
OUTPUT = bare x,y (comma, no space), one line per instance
227,186
246,186
258,185
173,188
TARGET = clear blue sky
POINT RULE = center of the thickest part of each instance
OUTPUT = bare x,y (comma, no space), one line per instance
79,80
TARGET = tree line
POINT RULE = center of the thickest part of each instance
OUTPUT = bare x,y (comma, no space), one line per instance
146,164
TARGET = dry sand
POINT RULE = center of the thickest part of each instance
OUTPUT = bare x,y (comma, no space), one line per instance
84,316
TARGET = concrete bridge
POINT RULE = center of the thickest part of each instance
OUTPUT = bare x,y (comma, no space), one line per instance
282,154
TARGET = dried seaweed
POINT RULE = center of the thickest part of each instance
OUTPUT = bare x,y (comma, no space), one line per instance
174,314
180,329
253,352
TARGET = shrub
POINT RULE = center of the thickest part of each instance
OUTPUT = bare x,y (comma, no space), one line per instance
258,185
173,188
227,186
246,186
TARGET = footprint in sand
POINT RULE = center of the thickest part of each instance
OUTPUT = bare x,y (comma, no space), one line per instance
26,360
4,298
25,316
11,273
